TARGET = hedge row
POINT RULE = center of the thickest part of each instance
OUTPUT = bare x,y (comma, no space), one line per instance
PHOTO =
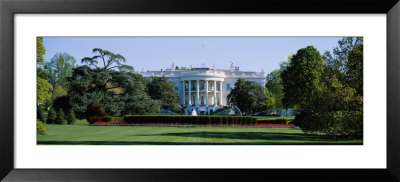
274,121
93,119
191,120
141,119
113,119
203,125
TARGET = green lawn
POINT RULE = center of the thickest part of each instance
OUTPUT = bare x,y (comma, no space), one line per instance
80,133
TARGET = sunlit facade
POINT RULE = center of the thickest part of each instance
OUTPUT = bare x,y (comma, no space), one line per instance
205,88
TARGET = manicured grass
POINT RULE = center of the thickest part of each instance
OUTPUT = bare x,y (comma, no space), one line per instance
80,133
81,122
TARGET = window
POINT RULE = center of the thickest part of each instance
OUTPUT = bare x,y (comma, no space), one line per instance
228,86
176,88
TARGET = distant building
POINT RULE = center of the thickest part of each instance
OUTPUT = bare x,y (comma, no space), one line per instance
203,88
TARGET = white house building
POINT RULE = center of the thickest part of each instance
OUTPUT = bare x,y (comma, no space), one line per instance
205,89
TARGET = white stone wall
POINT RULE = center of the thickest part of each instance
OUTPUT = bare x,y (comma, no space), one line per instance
226,76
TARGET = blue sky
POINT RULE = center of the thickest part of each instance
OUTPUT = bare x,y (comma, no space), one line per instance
155,53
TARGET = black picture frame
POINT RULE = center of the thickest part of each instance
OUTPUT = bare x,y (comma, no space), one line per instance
8,8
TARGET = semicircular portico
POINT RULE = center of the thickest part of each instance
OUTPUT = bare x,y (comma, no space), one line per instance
202,92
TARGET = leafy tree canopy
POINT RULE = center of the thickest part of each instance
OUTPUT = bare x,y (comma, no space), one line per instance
108,59
58,92
41,73
248,96
60,68
334,96
337,61
118,91
113,84
275,89
302,78
270,101
40,50
161,89
354,73
43,91
343,80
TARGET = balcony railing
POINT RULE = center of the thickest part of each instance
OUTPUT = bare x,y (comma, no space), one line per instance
203,73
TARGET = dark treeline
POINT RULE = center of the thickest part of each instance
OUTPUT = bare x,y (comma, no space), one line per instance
65,90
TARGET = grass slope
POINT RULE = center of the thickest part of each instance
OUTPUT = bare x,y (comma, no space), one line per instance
80,133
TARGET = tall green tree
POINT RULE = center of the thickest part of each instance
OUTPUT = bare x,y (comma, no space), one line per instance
343,77
119,92
274,86
337,61
248,96
161,89
43,91
108,60
59,69
40,51
354,71
302,78
345,64
43,88
270,101
275,89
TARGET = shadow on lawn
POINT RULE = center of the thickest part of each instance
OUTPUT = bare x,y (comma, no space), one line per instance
188,143
270,139
247,135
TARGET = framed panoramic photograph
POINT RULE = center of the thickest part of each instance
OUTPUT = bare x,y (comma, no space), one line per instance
150,91
199,102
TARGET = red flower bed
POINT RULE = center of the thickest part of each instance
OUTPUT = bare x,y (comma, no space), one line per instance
177,124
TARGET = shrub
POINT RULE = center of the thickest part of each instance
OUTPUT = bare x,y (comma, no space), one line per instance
71,117
62,102
52,116
303,115
95,112
344,124
60,119
40,129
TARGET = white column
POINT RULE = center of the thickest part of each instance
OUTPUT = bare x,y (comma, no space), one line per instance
183,93
189,96
197,92
206,92
215,92
220,93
